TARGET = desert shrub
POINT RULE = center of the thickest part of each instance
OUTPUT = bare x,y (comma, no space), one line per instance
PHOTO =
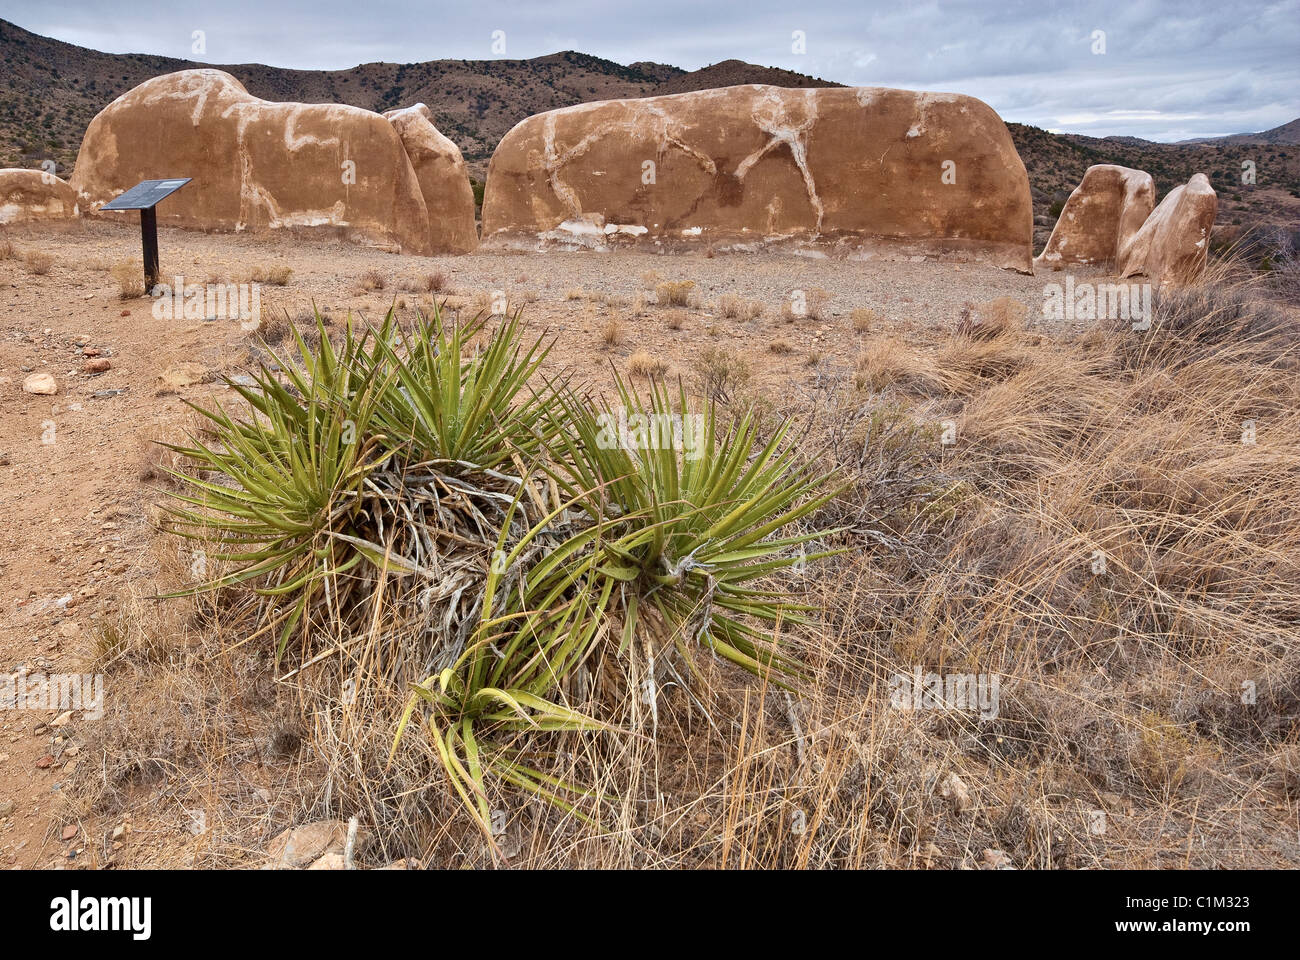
721,372
38,262
738,308
996,318
507,543
129,278
612,330
863,319
1228,320
645,364
674,293
371,280
805,305
277,275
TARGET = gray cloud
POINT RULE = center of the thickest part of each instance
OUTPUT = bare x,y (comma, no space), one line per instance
1169,71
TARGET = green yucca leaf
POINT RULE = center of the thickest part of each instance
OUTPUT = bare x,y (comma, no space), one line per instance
400,462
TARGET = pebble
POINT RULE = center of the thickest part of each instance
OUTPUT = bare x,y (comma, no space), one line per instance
42,384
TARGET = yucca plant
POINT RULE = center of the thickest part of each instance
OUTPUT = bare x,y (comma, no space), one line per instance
497,524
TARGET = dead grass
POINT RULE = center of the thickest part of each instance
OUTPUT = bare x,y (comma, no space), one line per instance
863,319
738,308
371,281
997,318
612,331
675,293
39,263
276,275
129,278
1087,519
643,364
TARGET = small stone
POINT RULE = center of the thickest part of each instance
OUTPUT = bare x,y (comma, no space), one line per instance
69,831
930,854
41,383
183,375
62,719
45,762
956,791
996,859
298,846
6,807
98,365
119,831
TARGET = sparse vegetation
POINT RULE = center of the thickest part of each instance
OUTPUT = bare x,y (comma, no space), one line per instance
674,293
643,364
129,278
521,601
38,262
277,275
722,373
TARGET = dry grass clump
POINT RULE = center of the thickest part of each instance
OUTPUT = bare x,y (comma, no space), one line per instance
643,364
780,346
1001,317
611,333
1098,524
7,249
39,263
675,293
675,319
805,305
863,319
889,361
435,281
370,281
738,308
276,275
129,279
577,293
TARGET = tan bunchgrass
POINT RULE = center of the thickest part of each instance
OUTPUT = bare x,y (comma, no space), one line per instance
39,263
1110,524
645,364
129,279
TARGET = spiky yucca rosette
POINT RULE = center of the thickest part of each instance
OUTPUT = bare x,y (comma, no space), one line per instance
480,511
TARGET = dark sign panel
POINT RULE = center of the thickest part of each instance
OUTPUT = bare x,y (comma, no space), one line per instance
146,194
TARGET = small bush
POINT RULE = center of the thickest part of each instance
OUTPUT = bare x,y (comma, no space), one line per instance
276,275
721,372
864,318
674,293
38,262
130,280
738,308
612,332
643,364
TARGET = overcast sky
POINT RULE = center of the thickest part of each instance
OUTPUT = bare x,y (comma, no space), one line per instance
1169,70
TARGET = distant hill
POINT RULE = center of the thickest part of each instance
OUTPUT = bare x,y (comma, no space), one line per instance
50,91
1288,134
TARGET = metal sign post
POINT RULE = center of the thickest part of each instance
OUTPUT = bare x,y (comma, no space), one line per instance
145,196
